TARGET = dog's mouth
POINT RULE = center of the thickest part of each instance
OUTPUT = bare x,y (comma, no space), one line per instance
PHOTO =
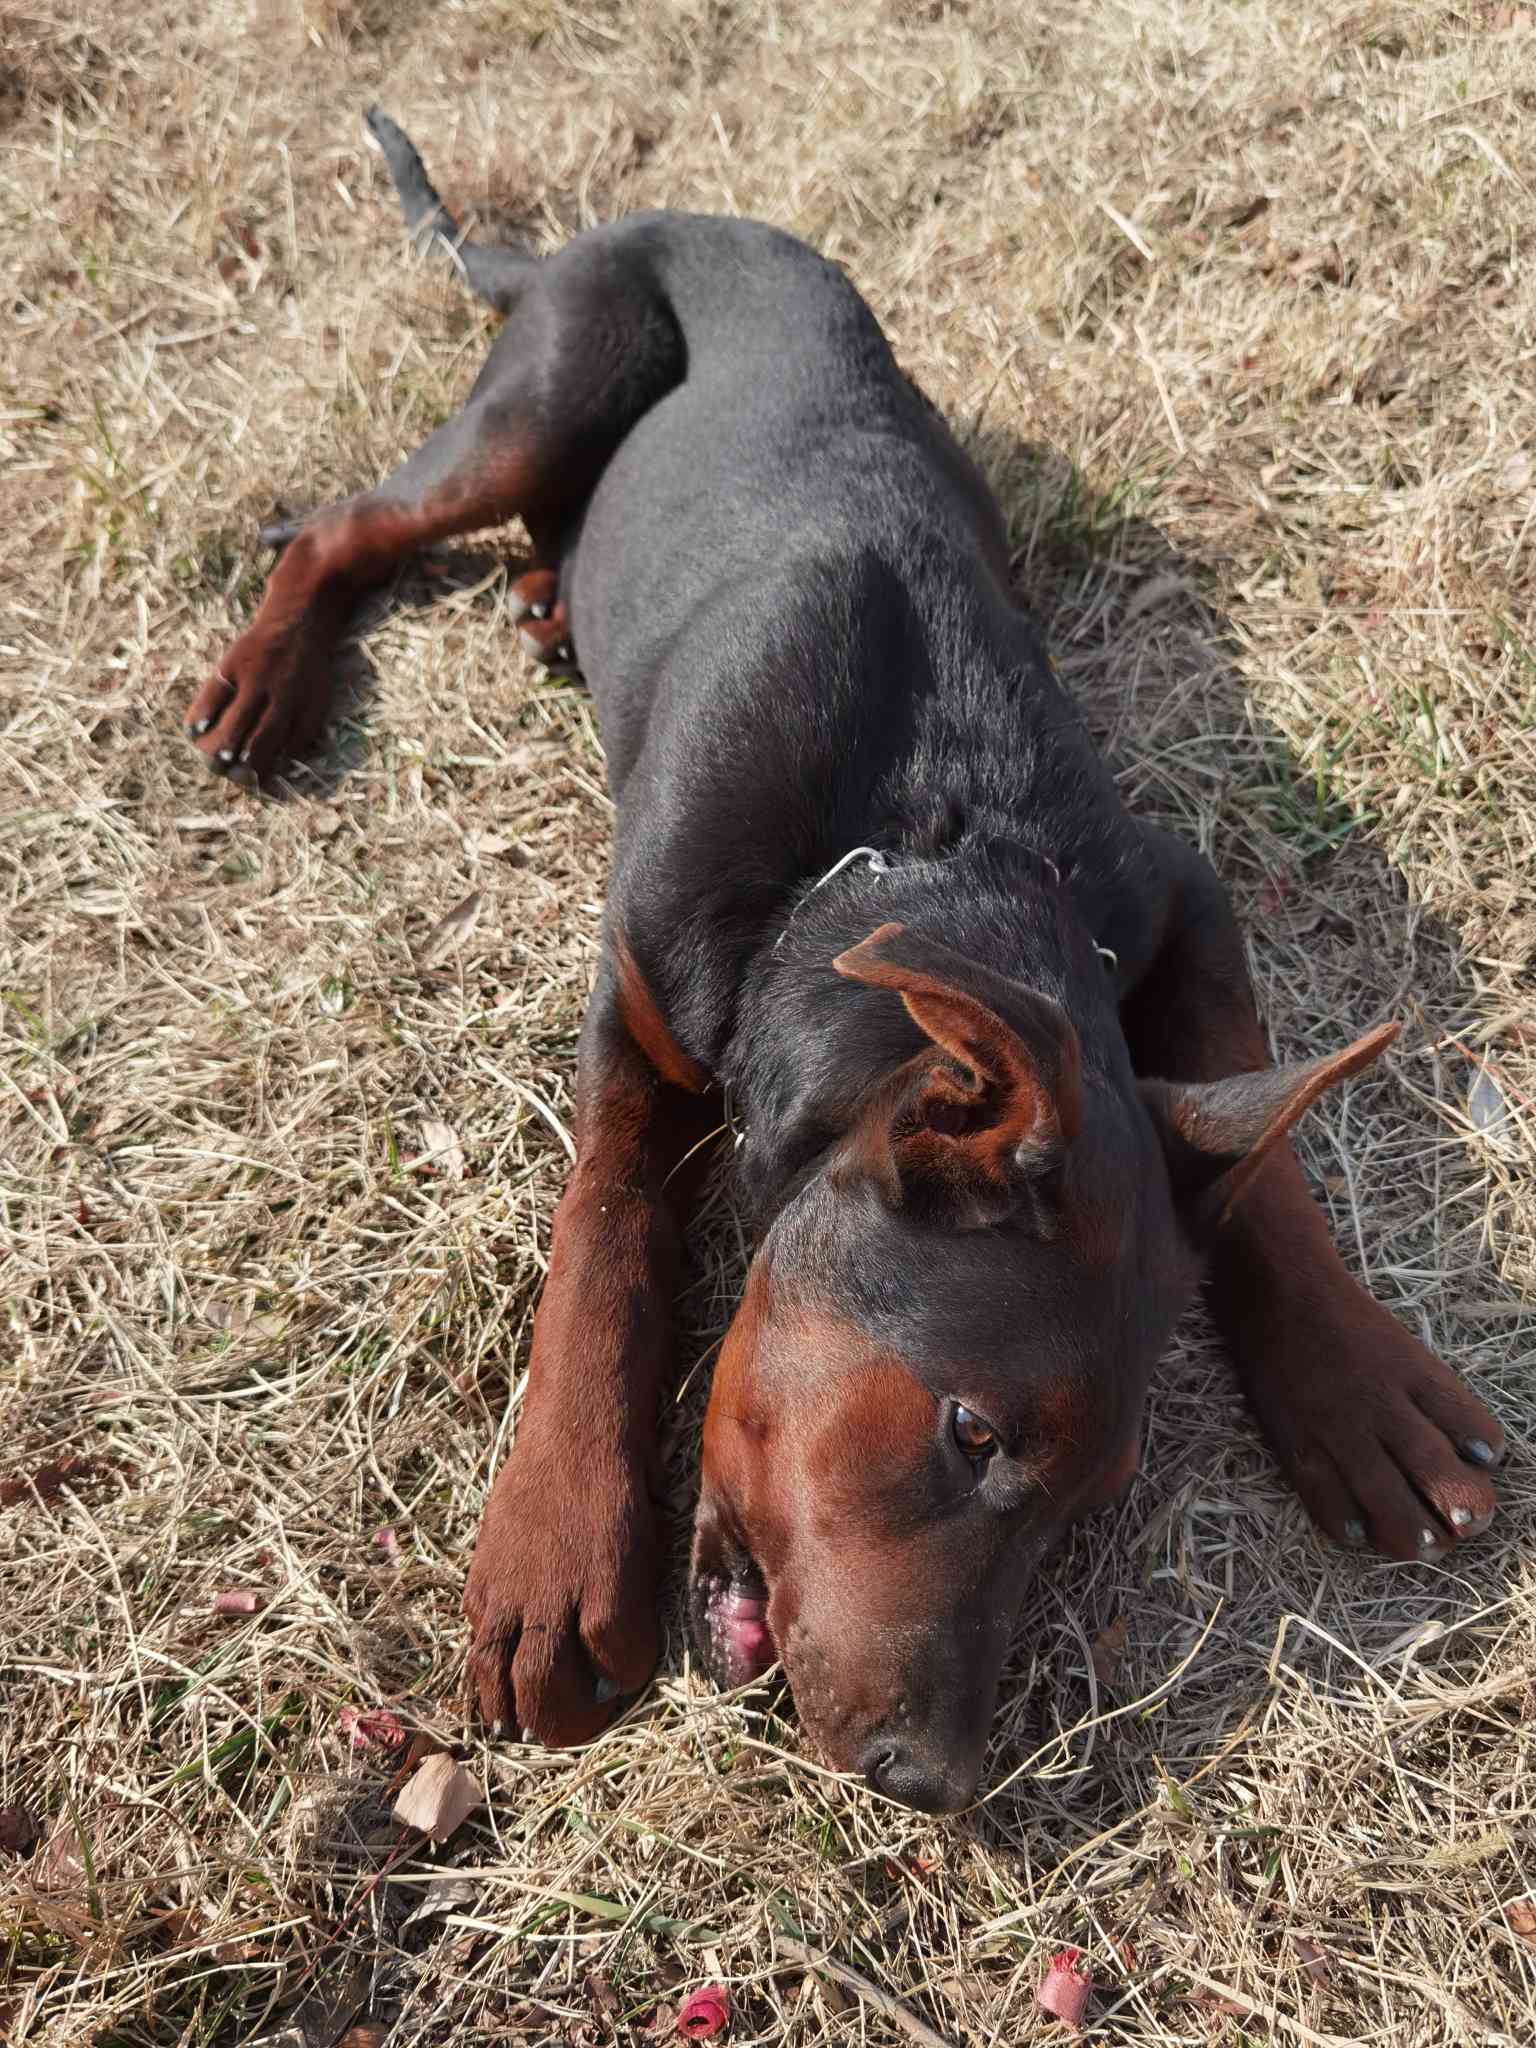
730,1622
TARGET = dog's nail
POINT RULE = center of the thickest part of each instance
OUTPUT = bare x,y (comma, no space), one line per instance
498,1729
1461,1517
1479,1452
1430,1545
226,757
1354,1534
564,652
198,726
606,1689
529,1736
538,611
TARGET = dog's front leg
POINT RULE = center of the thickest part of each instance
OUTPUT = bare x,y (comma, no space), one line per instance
1384,1443
561,1596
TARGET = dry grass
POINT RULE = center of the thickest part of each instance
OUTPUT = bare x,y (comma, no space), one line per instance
1237,303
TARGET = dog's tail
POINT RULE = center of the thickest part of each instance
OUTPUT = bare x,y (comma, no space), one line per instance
496,275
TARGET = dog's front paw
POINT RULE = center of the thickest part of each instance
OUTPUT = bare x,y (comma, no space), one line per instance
561,1596
266,700
1387,1447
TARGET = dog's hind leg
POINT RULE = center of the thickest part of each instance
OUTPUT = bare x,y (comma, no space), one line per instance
590,346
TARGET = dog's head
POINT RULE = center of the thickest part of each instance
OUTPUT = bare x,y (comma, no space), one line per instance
942,1353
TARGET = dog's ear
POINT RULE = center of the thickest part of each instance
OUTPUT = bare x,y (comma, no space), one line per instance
1217,1134
993,1103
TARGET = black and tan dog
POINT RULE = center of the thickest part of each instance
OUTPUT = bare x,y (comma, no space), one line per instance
991,1042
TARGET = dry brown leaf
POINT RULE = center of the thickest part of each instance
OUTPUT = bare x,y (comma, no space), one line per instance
606,2002
440,1149
453,1895
438,1798
62,1866
48,1481
528,753
422,1745
963,1990
69,1917
177,1925
497,846
831,1993
1106,1648
226,1315
452,930
1313,1957
1214,2001
18,1831
1492,1115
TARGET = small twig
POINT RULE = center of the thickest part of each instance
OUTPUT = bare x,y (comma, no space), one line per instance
407,1838
862,1987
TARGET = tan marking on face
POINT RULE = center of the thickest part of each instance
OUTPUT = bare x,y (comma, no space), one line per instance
882,1419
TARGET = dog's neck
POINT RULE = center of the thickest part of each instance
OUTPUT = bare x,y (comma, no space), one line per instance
809,1044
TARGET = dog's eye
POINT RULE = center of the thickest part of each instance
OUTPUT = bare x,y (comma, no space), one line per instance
978,1439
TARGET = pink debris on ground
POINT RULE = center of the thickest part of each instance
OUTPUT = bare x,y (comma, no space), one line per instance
1064,1988
705,2013
371,1727
238,1600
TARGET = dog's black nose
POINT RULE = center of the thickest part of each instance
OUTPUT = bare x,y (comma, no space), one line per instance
931,1783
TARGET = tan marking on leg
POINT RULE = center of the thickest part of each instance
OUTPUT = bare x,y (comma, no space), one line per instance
648,1028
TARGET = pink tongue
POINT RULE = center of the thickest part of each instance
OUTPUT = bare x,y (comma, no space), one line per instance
742,1620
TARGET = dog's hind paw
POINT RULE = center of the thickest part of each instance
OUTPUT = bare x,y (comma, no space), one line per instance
543,625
